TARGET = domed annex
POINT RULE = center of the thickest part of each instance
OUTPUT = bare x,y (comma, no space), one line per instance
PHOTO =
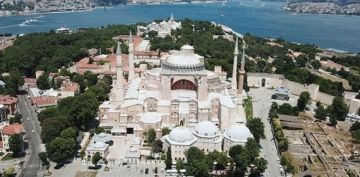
181,135
206,129
236,134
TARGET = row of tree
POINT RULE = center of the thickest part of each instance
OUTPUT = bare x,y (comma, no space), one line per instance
61,124
240,160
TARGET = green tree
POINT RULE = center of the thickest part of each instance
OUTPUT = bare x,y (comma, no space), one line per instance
338,109
303,101
198,168
96,158
47,113
16,119
99,92
151,136
81,81
355,126
168,160
316,64
241,164
256,127
69,133
193,154
179,165
157,146
99,130
260,166
42,82
252,149
287,109
235,150
333,120
91,78
44,158
165,131
13,82
220,158
16,144
83,110
320,112
61,149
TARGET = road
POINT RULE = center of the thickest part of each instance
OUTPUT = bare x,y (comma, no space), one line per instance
261,106
31,167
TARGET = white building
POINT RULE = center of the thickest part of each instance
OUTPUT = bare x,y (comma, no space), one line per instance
180,92
163,28
95,147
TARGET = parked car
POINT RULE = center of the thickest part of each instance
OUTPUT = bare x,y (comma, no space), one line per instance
146,171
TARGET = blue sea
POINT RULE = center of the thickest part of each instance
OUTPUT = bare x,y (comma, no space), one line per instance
265,19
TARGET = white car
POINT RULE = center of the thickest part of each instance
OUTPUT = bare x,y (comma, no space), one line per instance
33,131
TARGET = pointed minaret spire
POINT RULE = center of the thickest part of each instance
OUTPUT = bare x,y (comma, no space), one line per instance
172,17
119,87
118,49
236,53
131,58
242,75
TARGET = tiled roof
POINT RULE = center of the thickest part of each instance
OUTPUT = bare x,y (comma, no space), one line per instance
69,87
7,100
12,129
44,100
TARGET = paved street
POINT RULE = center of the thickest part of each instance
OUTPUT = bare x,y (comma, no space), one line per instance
32,165
261,106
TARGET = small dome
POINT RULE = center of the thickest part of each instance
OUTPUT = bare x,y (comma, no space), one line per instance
238,133
187,48
206,129
181,135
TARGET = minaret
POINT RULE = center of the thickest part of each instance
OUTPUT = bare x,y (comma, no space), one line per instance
119,87
131,58
172,18
242,74
233,77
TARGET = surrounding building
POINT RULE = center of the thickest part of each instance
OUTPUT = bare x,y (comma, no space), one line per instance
197,104
163,28
6,132
42,102
9,103
265,80
69,89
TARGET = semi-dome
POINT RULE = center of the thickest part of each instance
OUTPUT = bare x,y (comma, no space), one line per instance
238,133
206,129
181,135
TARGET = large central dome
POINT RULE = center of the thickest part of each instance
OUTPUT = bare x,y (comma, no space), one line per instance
184,60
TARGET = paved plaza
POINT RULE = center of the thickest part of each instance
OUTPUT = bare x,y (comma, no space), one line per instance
116,170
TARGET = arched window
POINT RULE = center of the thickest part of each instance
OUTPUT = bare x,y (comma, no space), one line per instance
183,84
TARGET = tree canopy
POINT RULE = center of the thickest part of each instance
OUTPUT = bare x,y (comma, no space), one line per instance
61,149
16,144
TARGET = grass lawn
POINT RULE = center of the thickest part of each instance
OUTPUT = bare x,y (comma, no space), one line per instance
249,108
7,157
